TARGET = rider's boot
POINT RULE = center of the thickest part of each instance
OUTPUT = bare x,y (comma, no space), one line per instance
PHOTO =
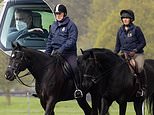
142,89
78,92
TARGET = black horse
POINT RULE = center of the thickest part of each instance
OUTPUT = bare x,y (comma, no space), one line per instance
51,84
115,80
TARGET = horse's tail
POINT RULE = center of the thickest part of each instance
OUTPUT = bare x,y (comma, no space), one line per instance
150,102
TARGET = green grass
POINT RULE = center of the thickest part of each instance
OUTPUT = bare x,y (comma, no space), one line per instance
21,106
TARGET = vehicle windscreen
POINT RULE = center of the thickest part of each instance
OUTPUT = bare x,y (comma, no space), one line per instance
27,25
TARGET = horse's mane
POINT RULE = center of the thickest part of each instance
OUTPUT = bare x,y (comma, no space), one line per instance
103,53
42,60
98,49
35,52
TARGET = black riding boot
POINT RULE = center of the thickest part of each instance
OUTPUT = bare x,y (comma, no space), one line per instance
78,92
142,89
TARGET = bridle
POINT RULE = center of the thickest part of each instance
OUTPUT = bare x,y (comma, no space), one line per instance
96,78
24,59
16,68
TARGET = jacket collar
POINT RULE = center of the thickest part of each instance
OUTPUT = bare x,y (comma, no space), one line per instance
130,27
63,22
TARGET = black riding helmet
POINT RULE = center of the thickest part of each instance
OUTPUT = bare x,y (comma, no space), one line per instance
127,14
59,8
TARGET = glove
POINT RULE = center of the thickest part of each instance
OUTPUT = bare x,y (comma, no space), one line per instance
56,52
131,53
115,52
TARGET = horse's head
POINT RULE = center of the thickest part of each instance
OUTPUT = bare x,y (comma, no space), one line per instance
90,64
98,63
89,67
17,62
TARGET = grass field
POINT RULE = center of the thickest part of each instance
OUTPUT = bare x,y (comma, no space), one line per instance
31,106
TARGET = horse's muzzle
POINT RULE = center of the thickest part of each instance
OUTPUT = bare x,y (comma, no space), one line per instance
9,76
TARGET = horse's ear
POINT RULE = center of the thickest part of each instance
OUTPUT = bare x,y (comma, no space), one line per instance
92,54
13,44
18,45
81,50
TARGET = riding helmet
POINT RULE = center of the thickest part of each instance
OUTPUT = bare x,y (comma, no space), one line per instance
59,8
127,14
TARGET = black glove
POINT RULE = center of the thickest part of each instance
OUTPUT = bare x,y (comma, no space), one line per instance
115,52
131,53
56,52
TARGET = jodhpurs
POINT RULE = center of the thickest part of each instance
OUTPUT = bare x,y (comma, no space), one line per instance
139,58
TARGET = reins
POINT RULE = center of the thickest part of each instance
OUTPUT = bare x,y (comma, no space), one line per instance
21,82
101,76
18,78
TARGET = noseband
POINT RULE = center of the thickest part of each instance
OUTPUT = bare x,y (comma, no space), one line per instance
16,68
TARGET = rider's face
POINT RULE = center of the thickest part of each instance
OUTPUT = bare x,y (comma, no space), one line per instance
59,16
126,21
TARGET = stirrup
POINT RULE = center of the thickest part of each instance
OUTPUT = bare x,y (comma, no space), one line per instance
78,94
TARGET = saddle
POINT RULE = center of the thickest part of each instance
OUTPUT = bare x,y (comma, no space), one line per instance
131,63
132,66
139,80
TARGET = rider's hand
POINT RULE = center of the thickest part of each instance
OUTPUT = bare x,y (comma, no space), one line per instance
115,52
131,53
55,52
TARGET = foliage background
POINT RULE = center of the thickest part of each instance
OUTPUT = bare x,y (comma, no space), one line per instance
99,20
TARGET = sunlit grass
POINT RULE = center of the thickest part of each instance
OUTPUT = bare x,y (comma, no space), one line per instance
31,106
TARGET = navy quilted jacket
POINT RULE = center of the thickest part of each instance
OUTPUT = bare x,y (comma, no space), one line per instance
129,40
62,37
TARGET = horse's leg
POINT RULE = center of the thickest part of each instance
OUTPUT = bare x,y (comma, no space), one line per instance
96,103
84,105
138,106
43,103
99,108
105,104
122,108
50,105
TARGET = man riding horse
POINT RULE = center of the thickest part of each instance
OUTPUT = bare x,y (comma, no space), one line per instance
62,40
130,40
